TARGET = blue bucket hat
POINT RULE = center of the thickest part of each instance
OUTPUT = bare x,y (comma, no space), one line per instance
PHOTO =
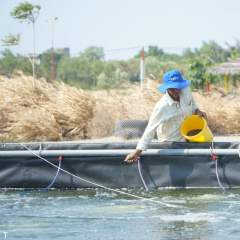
173,79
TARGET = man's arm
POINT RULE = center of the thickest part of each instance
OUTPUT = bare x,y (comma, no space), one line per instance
132,157
147,137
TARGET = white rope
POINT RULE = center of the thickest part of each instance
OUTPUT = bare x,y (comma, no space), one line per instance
101,186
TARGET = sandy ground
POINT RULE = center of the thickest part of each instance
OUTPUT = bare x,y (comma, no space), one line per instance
216,138
226,138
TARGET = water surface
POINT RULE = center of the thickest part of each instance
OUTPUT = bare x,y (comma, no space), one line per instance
102,214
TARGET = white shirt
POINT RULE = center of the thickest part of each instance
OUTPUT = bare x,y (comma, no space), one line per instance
167,118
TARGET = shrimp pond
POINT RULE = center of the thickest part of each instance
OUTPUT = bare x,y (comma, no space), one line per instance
102,214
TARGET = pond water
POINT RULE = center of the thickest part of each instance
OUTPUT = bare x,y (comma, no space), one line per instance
102,214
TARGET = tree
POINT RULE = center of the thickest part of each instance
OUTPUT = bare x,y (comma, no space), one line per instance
153,67
134,69
188,54
153,51
118,80
9,63
26,12
75,71
92,54
46,61
196,73
12,40
214,52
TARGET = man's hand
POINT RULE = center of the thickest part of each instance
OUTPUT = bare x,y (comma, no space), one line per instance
201,114
132,157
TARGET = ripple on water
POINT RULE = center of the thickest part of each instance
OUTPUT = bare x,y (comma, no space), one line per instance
98,214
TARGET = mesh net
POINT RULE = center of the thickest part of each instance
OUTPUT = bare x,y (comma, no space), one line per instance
130,128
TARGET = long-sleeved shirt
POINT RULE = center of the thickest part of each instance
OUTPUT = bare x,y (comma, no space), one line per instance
167,118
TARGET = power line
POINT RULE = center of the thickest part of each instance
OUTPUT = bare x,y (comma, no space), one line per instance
122,49
113,51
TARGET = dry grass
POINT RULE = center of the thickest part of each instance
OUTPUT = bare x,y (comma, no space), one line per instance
45,114
223,112
113,105
66,113
136,103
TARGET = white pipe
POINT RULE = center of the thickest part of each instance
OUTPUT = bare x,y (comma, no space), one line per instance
112,153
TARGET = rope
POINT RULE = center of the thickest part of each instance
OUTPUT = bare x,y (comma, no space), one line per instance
98,185
2,191
51,184
140,173
216,168
219,182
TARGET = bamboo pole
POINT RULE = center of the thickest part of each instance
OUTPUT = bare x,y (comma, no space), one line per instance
226,84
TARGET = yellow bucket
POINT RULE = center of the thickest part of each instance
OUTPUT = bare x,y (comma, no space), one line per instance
196,130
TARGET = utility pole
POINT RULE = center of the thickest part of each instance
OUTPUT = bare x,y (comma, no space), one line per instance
51,24
143,73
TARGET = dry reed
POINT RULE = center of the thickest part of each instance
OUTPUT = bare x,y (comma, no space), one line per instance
67,113
42,114
223,112
136,103
133,103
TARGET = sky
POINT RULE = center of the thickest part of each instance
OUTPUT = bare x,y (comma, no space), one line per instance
123,27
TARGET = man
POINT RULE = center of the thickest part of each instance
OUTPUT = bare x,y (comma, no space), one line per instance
169,113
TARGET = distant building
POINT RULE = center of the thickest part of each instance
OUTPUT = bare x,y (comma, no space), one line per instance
38,57
65,51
